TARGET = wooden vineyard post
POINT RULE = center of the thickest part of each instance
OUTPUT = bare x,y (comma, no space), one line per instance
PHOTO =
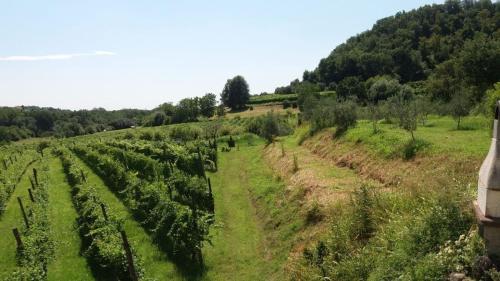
130,259
200,163
19,242
169,192
32,183
35,174
210,195
24,213
104,213
83,176
31,195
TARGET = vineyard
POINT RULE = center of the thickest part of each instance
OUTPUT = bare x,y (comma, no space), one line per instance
119,191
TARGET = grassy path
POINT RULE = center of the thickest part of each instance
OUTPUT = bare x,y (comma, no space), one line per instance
155,262
239,251
10,219
68,264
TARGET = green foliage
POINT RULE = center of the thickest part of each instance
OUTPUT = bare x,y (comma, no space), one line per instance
38,245
101,237
186,111
327,112
372,240
185,133
271,98
236,93
492,98
269,126
443,47
14,162
411,148
460,106
176,211
208,105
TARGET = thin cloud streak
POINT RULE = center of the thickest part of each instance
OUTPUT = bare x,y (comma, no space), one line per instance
57,56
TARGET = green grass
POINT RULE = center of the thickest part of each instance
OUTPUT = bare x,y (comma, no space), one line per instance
68,264
155,262
241,250
10,219
440,133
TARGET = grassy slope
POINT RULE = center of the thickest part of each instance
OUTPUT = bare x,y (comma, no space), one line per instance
259,110
239,250
68,263
10,219
155,262
439,132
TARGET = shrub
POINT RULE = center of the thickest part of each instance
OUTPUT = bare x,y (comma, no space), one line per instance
286,104
269,126
330,113
492,97
411,148
314,214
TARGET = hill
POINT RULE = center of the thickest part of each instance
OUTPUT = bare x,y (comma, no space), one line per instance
438,49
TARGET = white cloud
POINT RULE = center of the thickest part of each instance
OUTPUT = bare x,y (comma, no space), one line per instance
56,56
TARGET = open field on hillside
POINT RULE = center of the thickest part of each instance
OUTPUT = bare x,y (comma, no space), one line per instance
273,202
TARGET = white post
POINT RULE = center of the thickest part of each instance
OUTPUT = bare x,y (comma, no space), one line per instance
487,206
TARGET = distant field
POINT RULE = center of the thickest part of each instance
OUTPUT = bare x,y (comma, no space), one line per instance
260,110
272,98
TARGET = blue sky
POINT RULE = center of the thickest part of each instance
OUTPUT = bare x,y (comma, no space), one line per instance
138,54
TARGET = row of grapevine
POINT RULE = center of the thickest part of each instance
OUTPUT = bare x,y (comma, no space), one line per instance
100,231
186,189
35,245
14,165
184,157
179,229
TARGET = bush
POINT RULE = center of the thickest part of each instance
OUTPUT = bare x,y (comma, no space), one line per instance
330,113
411,148
314,214
286,104
492,97
269,126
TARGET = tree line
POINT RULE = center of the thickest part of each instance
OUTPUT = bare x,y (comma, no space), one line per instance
23,122
448,52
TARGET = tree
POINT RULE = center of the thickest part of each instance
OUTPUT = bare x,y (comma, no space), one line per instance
305,90
207,105
221,110
460,105
159,118
381,88
424,107
187,110
236,93
492,97
351,87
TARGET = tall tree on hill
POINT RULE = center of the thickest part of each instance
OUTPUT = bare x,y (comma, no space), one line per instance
235,93
207,105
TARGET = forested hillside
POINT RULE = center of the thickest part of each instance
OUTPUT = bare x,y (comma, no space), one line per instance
442,50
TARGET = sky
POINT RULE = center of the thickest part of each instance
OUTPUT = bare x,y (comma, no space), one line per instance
138,54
